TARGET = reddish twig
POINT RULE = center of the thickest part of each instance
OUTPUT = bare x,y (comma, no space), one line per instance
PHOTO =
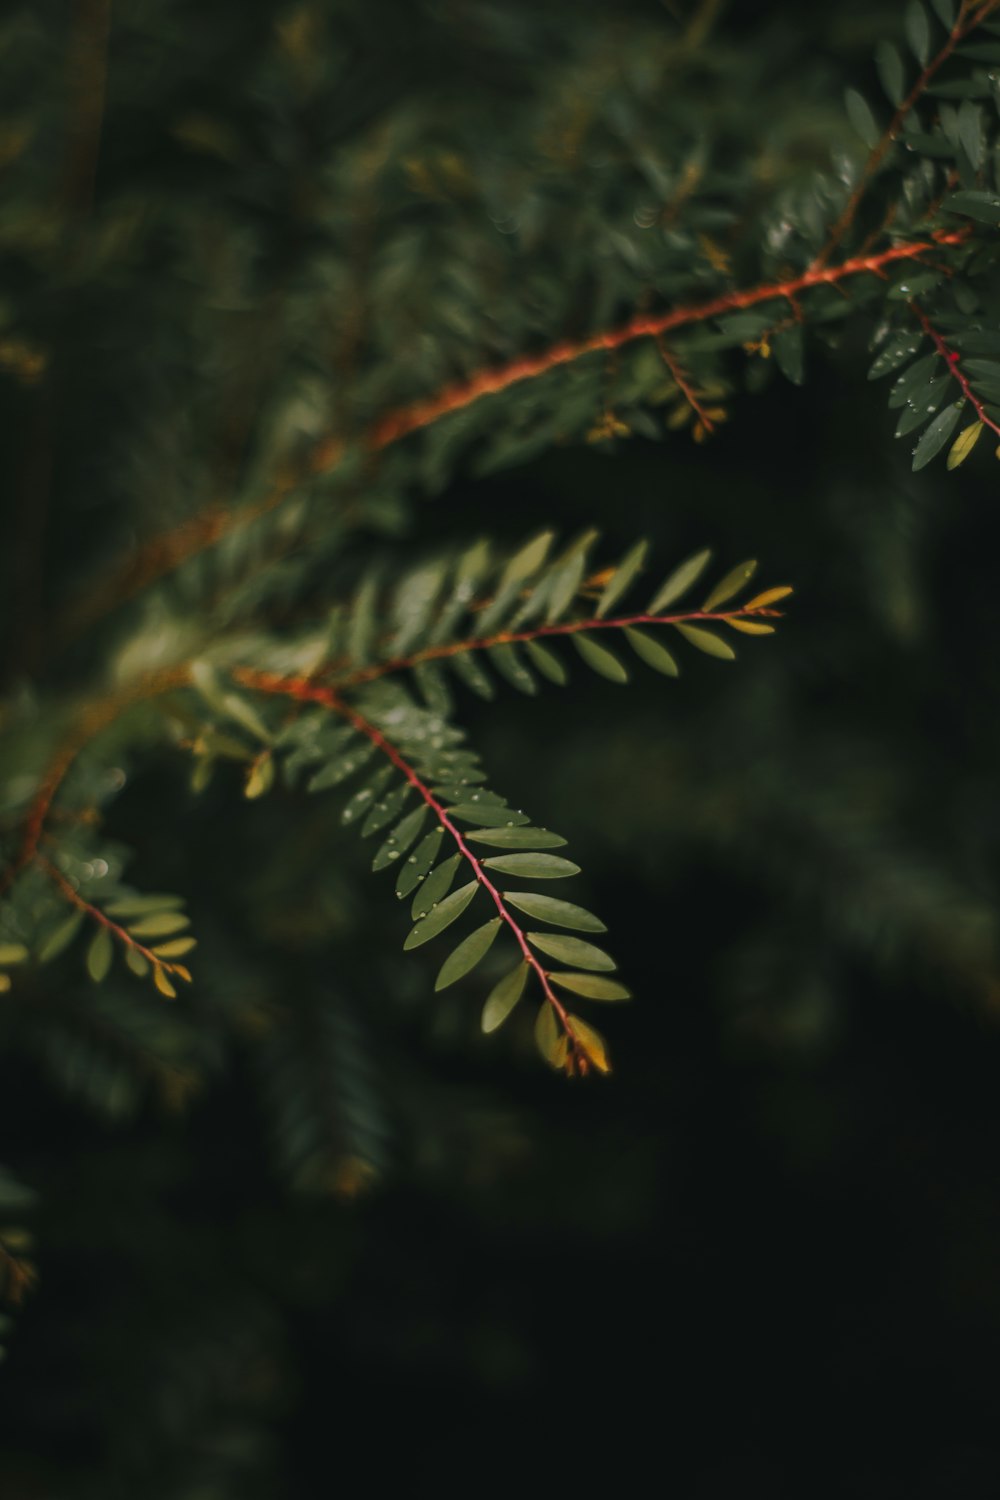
969,17
683,384
455,398
540,632
304,691
119,933
952,359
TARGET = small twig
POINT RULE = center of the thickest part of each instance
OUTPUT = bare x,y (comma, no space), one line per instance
952,359
683,384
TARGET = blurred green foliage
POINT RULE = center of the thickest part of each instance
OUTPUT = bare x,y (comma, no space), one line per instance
241,247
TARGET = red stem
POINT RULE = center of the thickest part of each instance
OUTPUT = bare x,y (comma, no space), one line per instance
73,896
952,358
684,385
309,692
512,637
407,419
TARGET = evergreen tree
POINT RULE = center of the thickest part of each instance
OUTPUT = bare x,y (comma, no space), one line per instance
363,371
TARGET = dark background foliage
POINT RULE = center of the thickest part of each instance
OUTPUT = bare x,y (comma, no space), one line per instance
764,1253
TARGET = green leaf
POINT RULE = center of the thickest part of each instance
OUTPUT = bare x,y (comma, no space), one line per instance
599,658
548,1037
338,770
468,953
363,625
386,810
261,778
401,837
520,568
964,444
897,351
937,434
99,955
590,1040
160,925
918,32
547,662
789,353
503,997
59,937
890,72
970,132
551,909
244,714
975,204
593,986
487,814
945,12
622,578
680,581
567,576
465,665
861,118
533,866
526,562
506,661
911,380
730,585
572,950
442,915
12,953
413,605
651,652
175,948
362,799
435,887
433,684
137,962
517,838
416,865
704,640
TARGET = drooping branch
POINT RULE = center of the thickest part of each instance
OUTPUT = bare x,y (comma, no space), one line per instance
302,690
